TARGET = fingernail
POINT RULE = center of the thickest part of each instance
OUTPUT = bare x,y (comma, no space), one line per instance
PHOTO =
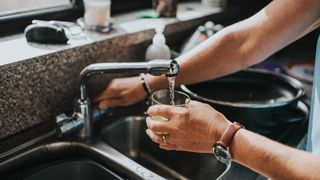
148,110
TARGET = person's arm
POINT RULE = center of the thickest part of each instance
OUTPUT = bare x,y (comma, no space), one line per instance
198,127
273,159
246,43
234,48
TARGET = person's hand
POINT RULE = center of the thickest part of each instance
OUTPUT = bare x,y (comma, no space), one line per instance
121,92
193,129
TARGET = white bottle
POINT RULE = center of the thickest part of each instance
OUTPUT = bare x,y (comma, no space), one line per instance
158,49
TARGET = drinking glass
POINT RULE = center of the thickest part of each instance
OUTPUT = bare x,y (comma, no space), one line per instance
162,97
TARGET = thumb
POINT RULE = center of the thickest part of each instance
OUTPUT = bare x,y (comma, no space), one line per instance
161,110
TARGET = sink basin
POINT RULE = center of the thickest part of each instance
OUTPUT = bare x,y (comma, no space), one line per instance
60,160
91,159
127,135
65,170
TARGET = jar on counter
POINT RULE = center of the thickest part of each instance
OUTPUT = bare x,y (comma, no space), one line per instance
165,8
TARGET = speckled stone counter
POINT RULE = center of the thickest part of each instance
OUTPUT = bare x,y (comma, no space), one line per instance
35,89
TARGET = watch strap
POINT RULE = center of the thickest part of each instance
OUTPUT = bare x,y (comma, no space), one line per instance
145,85
228,134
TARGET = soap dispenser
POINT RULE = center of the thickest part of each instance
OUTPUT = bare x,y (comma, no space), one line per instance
158,49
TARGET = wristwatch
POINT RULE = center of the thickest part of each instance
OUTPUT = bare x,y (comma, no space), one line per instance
221,148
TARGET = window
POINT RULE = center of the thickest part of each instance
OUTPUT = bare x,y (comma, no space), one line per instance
15,15
10,7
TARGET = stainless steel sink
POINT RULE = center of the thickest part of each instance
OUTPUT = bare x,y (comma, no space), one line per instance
92,159
119,149
60,160
67,169
127,135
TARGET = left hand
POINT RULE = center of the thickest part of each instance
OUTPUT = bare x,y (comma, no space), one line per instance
193,129
121,92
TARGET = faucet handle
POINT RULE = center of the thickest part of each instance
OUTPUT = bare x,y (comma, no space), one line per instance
69,124
62,118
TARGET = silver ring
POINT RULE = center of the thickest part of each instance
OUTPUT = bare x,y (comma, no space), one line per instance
164,138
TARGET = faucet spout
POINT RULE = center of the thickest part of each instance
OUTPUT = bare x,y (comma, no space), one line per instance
155,67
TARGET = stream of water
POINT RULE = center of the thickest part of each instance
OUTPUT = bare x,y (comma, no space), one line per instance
171,89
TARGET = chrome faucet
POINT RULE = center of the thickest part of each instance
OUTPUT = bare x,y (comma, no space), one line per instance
83,120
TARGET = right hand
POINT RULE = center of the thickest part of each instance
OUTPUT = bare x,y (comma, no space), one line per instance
193,129
121,92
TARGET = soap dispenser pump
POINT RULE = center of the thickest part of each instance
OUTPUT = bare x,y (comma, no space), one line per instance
158,49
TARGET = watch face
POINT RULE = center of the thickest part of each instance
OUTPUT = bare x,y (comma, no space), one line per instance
222,154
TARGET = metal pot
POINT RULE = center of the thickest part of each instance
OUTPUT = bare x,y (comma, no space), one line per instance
258,99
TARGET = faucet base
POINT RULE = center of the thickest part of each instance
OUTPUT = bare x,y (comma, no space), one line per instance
86,131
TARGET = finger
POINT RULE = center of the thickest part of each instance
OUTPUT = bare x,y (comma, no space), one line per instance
109,93
194,103
113,92
157,126
154,137
103,104
168,147
100,97
161,110
109,103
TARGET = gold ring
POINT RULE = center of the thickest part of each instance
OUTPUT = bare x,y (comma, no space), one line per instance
164,138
